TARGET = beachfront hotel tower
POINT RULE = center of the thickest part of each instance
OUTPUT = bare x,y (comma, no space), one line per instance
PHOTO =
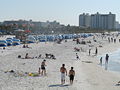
100,21
84,20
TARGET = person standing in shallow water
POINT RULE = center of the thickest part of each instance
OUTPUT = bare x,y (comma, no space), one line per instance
106,58
71,75
63,71
101,61
106,61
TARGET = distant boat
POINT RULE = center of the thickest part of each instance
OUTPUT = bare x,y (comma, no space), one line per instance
3,43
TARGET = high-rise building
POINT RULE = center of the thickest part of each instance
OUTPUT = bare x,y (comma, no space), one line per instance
100,21
103,21
117,25
84,20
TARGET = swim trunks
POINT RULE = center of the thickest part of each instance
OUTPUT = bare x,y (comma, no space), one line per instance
42,67
62,76
72,77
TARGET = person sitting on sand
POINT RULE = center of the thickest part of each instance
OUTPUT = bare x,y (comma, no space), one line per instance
39,56
52,56
27,57
19,56
76,49
43,67
28,46
71,75
3,48
46,55
63,71
24,46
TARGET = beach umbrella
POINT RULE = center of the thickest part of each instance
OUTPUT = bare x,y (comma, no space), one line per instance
27,31
19,30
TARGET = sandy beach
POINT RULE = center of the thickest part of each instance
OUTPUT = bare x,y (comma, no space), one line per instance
89,74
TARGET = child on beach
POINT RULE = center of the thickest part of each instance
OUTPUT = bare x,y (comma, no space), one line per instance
43,67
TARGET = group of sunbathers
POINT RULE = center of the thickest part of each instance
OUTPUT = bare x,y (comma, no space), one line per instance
28,57
49,56
26,46
76,49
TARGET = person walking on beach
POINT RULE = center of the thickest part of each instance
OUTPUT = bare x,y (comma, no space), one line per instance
71,75
77,57
114,40
89,51
101,61
109,39
119,40
77,41
63,71
96,51
43,67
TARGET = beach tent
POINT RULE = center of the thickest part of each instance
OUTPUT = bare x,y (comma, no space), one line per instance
31,39
19,30
16,41
50,38
3,43
42,38
9,42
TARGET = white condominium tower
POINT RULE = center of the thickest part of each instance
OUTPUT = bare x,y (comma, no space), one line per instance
100,21
84,20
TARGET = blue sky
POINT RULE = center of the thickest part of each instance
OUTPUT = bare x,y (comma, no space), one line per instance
64,11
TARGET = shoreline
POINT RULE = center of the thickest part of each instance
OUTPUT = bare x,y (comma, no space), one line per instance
113,66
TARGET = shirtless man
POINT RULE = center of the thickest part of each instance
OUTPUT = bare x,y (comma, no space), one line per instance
71,75
43,67
63,71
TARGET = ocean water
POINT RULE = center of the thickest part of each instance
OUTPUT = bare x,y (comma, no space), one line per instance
114,61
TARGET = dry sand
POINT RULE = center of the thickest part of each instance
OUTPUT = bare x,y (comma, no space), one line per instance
89,76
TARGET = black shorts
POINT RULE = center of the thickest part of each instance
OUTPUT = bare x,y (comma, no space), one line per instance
72,77
42,67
